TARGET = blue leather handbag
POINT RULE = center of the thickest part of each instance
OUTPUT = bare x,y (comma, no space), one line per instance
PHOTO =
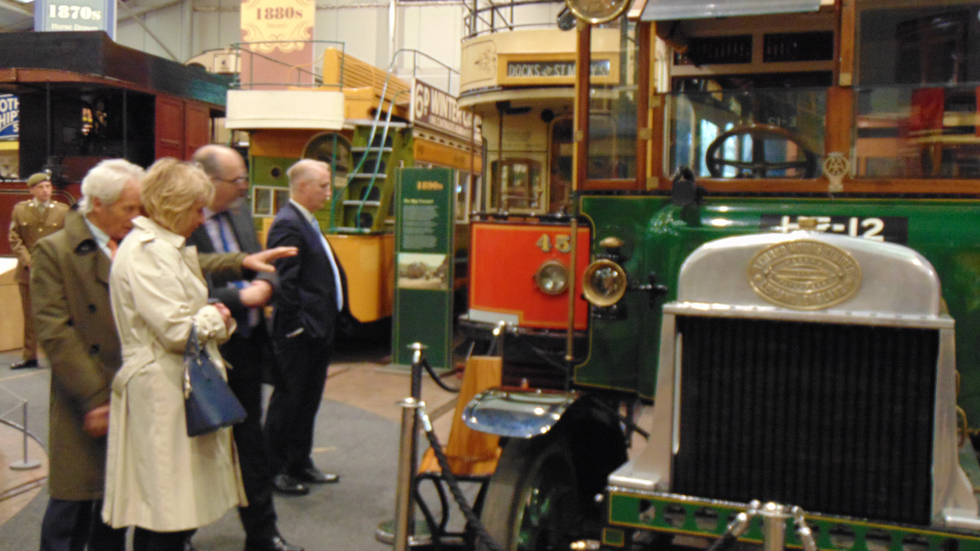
209,404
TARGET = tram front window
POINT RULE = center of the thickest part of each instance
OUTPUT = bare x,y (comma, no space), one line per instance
518,185
765,133
612,97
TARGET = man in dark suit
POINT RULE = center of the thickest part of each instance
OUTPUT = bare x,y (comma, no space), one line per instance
313,293
228,227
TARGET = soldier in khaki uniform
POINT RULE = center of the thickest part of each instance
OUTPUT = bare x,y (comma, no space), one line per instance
30,221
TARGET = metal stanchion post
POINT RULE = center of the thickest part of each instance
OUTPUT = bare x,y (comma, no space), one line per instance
26,464
407,448
404,532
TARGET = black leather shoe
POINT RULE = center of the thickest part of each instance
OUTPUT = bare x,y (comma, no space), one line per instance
274,544
314,476
285,484
25,364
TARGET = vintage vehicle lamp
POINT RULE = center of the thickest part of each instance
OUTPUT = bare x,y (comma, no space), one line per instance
597,11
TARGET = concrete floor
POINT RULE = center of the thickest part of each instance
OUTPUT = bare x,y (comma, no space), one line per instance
356,437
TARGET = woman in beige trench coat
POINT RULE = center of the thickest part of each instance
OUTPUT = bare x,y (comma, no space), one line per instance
158,479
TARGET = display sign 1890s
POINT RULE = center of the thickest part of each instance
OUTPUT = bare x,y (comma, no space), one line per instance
424,225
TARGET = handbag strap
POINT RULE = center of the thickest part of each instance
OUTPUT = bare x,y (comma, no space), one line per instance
193,353
193,346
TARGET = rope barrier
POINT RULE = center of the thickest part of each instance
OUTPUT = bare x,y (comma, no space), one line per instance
447,475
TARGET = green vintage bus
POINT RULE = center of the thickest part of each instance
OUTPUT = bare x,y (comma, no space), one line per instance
783,283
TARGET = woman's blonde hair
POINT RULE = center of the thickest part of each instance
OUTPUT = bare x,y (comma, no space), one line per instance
170,189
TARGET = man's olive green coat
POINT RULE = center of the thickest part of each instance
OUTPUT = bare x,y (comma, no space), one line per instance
75,327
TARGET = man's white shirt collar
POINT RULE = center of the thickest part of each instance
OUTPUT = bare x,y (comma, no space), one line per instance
101,237
307,214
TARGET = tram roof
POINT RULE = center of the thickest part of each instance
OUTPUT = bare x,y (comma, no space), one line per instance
91,60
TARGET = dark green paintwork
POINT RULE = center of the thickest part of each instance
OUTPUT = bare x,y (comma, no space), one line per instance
613,537
625,509
624,354
424,316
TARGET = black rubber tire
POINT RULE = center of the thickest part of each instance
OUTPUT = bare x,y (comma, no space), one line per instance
532,503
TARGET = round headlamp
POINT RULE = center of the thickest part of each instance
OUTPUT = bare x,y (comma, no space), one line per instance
604,283
552,278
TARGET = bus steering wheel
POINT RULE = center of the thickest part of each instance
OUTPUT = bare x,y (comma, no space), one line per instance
759,167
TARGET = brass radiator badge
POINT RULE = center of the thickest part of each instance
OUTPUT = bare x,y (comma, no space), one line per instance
804,275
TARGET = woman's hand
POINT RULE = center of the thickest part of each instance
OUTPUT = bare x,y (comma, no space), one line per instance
96,422
225,314
262,262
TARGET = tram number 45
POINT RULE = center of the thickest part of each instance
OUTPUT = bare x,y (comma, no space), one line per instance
894,229
562,243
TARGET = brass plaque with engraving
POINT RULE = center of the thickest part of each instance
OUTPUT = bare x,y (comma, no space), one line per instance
804,275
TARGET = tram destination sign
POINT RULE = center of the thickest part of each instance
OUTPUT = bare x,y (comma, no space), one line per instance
531,69
76,15
554,69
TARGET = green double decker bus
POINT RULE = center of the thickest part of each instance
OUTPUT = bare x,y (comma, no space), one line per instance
782,207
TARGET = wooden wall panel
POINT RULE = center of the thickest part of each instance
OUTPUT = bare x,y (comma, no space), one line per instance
197,128
169,127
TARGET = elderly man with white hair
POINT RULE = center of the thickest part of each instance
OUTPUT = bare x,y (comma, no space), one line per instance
75,327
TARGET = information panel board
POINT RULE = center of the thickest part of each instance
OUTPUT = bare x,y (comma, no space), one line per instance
424,223
76,15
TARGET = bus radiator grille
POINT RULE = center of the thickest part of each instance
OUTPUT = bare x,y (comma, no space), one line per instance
835,418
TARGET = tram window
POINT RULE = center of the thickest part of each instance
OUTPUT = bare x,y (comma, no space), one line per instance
476,191
765,133
560,161
334,150
462,196
612,126
266,201
517,185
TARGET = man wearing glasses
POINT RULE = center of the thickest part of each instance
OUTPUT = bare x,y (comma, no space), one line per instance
228,227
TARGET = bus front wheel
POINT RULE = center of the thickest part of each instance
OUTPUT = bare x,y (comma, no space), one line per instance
532,503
